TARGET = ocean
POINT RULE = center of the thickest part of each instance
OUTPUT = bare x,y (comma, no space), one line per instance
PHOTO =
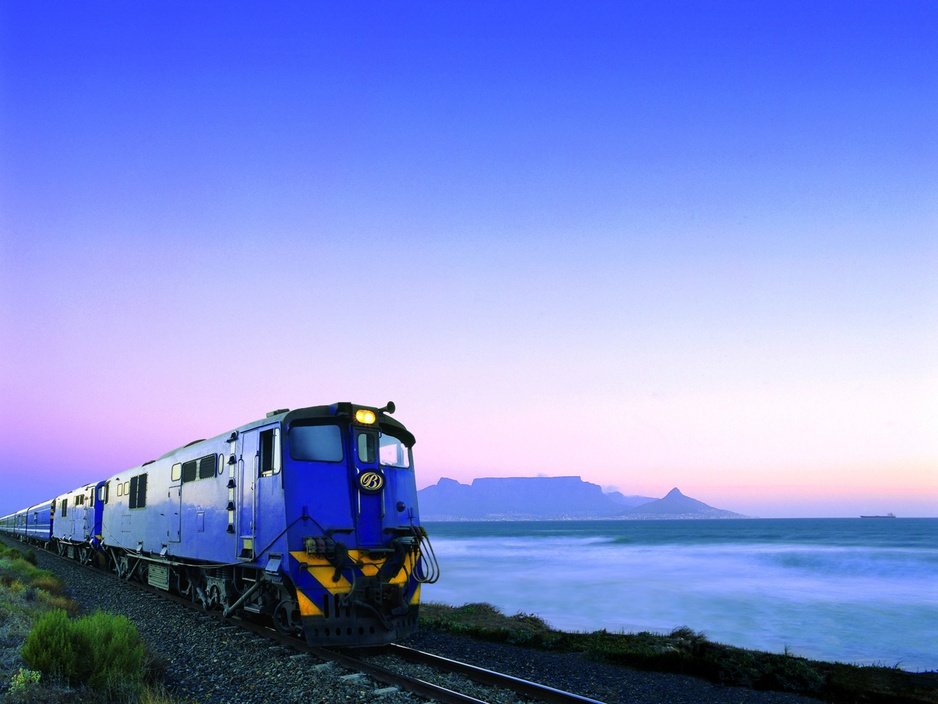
861,591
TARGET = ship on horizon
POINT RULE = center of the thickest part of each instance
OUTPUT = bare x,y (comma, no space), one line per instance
888,515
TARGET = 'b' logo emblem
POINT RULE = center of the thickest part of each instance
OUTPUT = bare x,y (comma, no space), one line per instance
371,482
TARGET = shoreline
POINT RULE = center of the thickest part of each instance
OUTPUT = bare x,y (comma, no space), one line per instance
684,652
682,666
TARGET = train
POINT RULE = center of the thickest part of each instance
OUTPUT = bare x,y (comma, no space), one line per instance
306,519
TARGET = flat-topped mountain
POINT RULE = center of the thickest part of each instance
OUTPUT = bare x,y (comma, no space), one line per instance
549,498
519,498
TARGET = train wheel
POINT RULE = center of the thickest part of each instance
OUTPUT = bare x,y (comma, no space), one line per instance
123,567
214,597
287,617
198,595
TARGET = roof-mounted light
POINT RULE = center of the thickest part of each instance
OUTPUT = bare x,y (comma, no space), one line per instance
364,416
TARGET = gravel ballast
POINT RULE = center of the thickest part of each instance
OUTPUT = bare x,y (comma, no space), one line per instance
212,663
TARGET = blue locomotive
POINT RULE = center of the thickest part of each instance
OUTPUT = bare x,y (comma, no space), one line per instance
307,518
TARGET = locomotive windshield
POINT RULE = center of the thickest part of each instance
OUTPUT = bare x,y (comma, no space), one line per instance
393,452
324,443
316,443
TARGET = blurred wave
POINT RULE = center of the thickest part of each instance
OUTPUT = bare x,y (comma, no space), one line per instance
832,589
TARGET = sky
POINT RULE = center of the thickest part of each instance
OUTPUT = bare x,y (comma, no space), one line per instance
653,244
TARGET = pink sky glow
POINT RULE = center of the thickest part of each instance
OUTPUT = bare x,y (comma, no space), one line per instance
648,246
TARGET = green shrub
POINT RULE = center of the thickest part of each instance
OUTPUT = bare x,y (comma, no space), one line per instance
56,648
102,651
23,681
118,652
10,553
17,554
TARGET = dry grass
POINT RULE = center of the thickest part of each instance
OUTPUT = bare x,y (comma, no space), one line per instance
26,594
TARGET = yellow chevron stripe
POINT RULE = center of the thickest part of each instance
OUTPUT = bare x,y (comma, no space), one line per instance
301,557
324,575
368,565
322,571
408,568
307,607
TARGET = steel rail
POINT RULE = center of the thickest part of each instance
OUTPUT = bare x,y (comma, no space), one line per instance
496,679
411,684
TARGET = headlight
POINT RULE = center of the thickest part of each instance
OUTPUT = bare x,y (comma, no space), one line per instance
364,416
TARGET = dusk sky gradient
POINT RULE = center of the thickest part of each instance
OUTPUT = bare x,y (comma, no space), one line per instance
653,244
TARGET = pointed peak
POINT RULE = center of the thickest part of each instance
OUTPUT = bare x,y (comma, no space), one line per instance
674,493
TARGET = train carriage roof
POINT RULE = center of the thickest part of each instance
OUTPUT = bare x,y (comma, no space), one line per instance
343,410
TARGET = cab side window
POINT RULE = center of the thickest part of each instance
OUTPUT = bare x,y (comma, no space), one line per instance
269,453
366,448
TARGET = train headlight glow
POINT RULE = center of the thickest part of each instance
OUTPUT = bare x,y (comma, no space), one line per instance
365,416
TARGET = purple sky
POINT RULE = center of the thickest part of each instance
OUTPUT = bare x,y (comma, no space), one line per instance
652,244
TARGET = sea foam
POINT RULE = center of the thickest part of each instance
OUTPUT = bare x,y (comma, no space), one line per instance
837,590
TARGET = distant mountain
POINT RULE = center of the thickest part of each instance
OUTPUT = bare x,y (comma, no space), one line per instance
676,505
630,501
517,498
549,498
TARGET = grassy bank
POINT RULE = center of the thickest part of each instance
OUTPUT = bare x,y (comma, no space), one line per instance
685,652
48,653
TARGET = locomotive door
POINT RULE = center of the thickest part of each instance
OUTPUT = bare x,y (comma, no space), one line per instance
260,513
174,512
369,486
261,507
246,479
81,523
88,513
71,522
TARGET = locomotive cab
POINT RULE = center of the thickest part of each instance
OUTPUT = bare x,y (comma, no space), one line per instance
354,537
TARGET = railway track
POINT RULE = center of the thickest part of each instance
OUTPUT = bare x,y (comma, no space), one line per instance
388,670
391,666
525,688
